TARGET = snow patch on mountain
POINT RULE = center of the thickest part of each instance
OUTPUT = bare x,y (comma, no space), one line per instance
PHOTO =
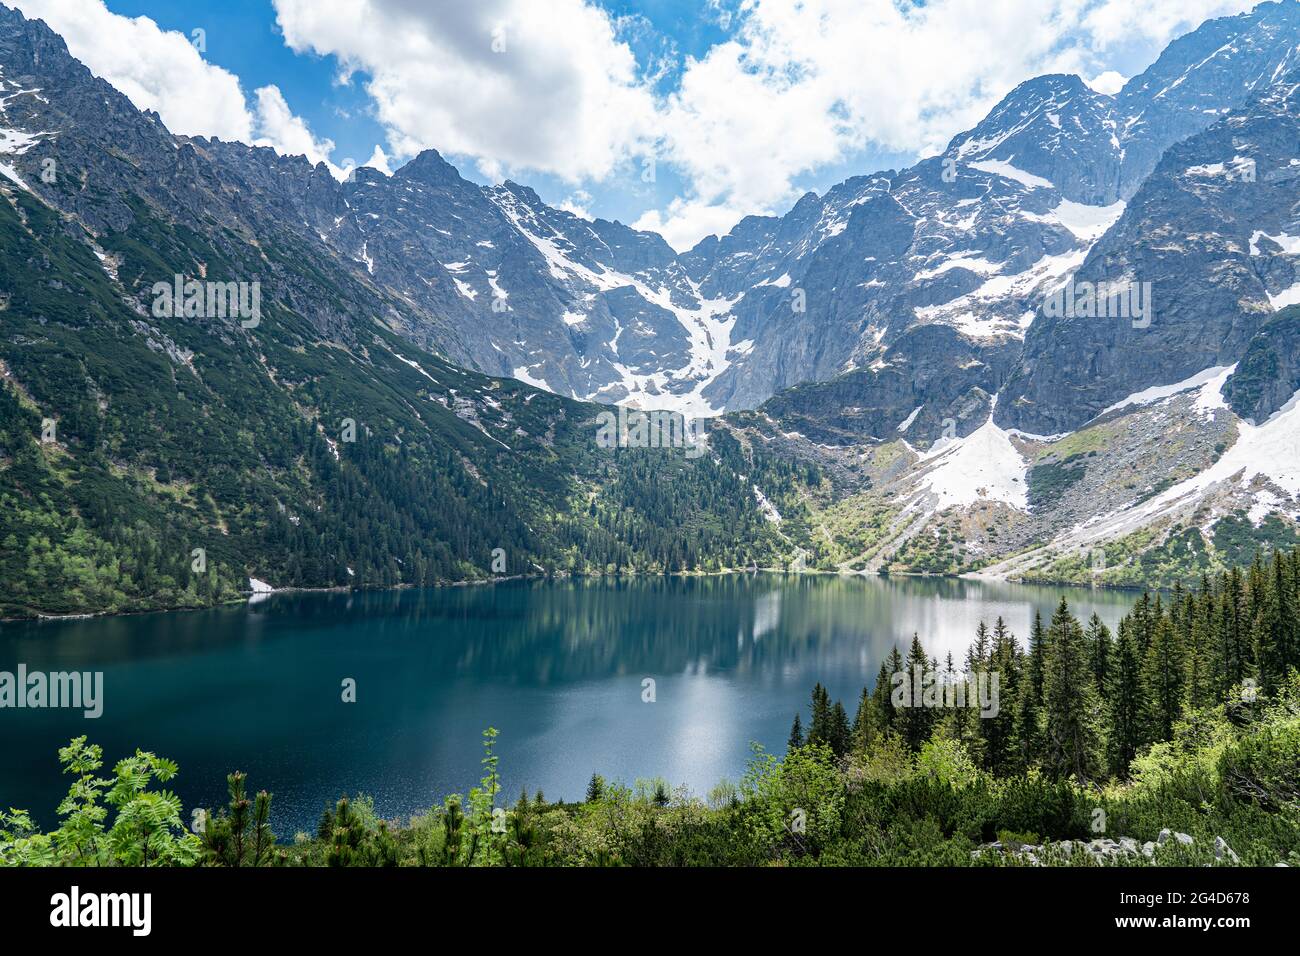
1290,244
906,423
999,167
1156,393
1269,453
707,321
1288,296
1088,223
982,467
766,507
998,306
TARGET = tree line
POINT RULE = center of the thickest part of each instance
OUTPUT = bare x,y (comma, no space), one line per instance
1080,701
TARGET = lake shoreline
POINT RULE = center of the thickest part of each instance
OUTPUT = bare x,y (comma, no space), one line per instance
253,597
560,668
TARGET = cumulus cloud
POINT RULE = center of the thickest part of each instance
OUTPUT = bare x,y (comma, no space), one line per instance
164,70
553,86
801,86
516,84
157,69
684,222
379,160
280,128
1110,82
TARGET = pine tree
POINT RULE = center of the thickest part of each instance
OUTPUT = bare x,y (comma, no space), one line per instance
881,694
839,730
1141,624
999,730
1199,631
1029,730
1099,642
1124,704
1231,654
977,655
863,732
819,731
796,735
916,720
1071,707
1163,677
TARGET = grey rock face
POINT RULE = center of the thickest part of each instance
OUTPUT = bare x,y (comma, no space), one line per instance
80,146
972,238
930,382
1268,374
921,289
1200,77
1201,237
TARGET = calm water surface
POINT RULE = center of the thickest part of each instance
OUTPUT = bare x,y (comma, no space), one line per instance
557,668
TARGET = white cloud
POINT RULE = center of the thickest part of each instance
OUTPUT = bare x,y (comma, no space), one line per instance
277,126
379,160
163,70
1109,82
801,86
553,86
515,84
1110,22
686,221
794,88
578,203
157,69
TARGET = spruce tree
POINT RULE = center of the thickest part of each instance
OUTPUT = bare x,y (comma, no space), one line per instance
1231,652
1199,633
1029,731
1163,676
1099,643
839,730
1071,707
999,730
819,731
881,694
916,720
1124,704
864,723
796,735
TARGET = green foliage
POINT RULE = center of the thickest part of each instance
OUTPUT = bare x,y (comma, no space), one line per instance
145,827
241,834
178,434
1049,482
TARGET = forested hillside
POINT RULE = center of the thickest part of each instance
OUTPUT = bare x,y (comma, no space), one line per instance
127,442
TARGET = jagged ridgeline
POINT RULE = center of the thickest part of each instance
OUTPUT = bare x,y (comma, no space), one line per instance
159,456
220,362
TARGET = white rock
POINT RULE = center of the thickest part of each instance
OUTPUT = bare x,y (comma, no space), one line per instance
1221,848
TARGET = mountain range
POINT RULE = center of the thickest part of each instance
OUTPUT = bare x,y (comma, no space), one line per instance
891,380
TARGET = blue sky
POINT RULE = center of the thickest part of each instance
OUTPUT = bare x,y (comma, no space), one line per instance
734,106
